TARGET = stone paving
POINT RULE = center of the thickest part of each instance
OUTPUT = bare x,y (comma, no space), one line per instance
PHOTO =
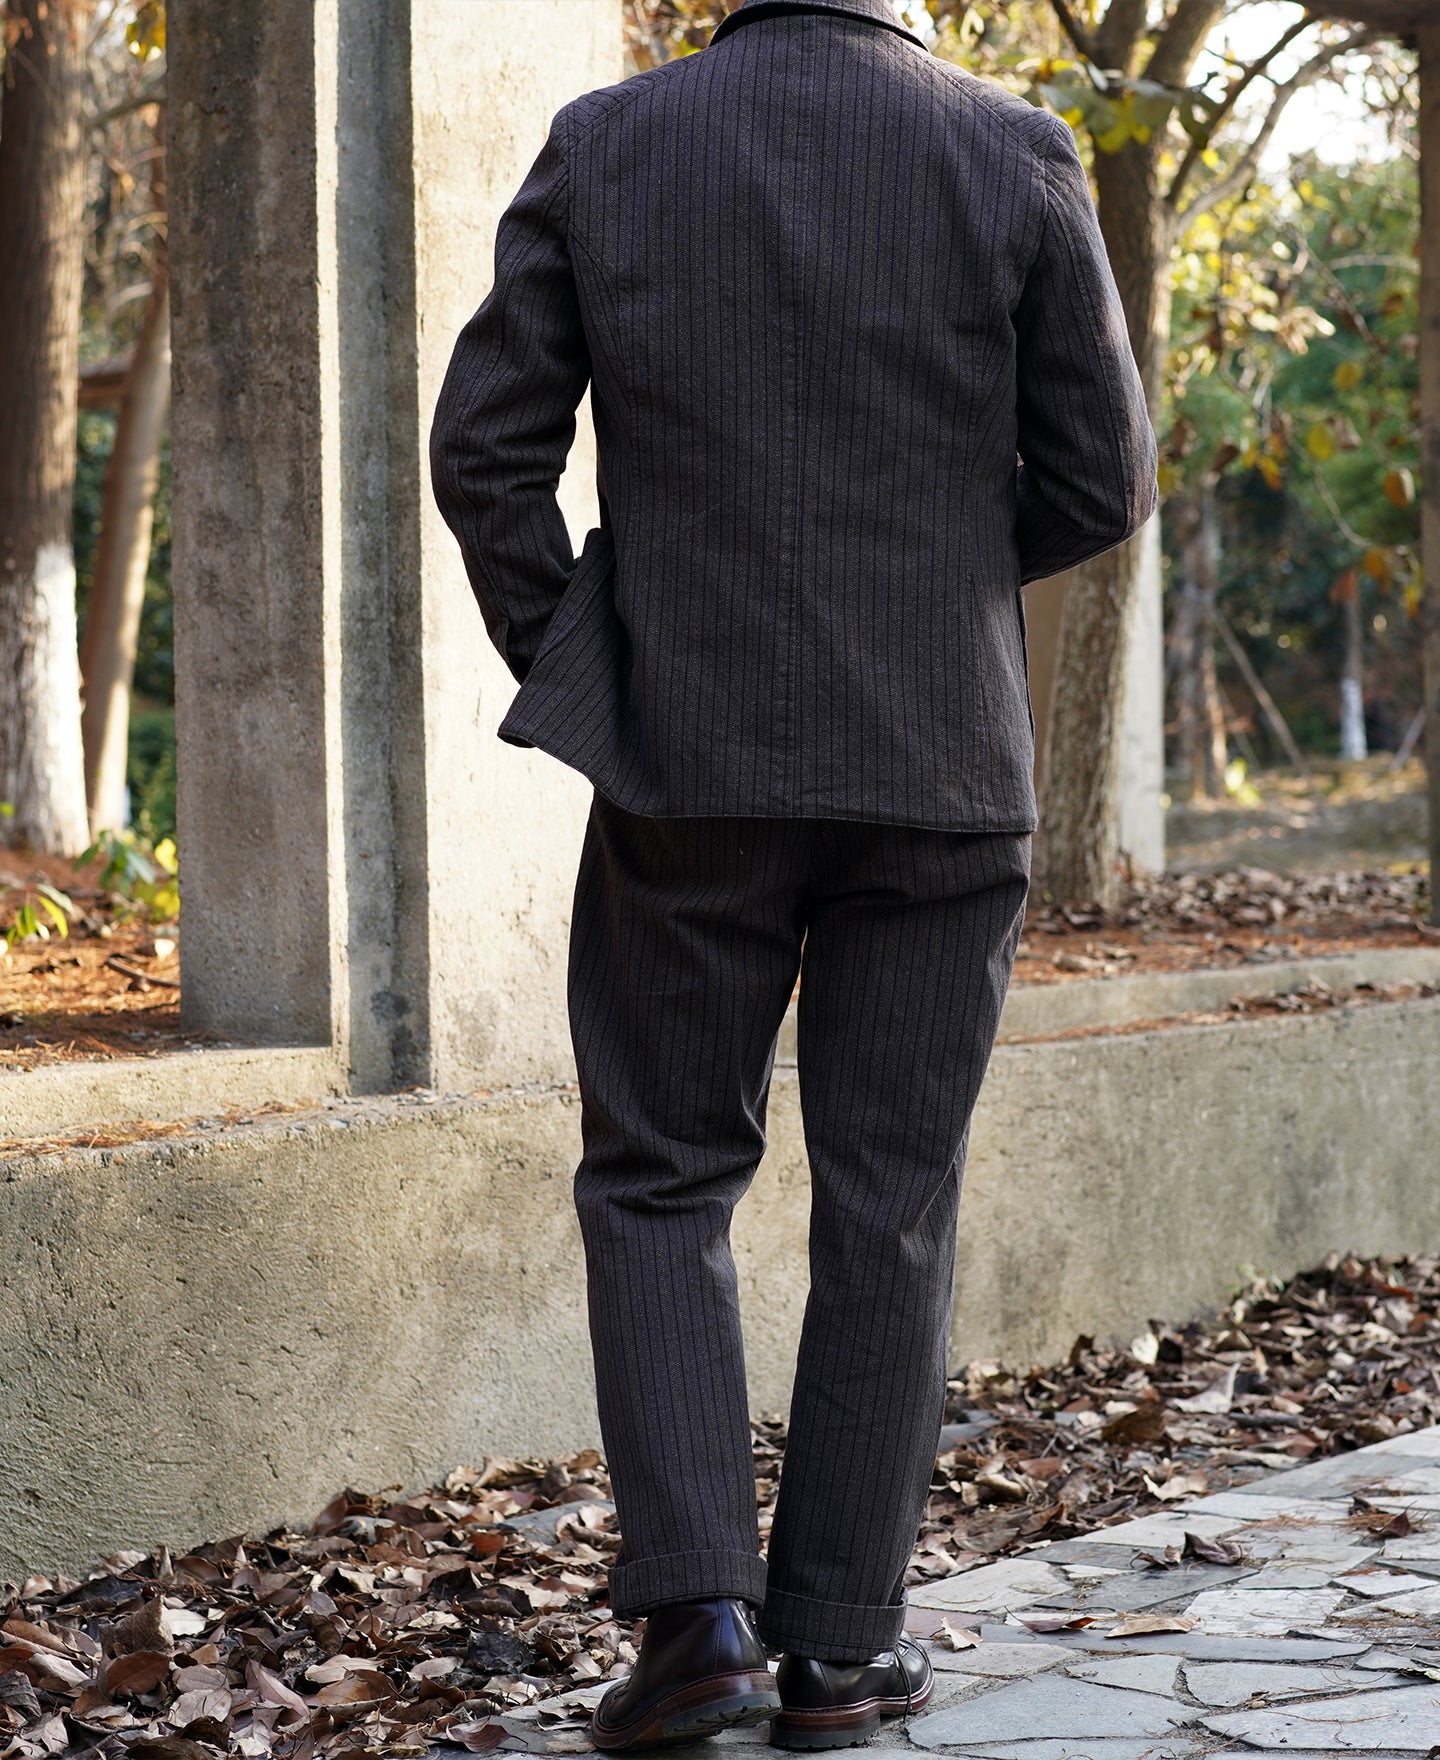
1306,1630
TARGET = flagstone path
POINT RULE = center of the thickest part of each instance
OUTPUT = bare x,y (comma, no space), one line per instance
1306,1630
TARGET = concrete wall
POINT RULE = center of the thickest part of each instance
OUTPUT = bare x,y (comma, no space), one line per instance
214,1332
365,865
503,827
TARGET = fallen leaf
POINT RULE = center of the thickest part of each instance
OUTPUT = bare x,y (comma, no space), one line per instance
479,1738
167,1748
272,1690
1217,1398
337,1667
139,1672
198,1676
1178,1485
1136,1625
145,1629
956,1638
204,1702
363,1687
47,1737
1146,1423
1213,1551
17,1690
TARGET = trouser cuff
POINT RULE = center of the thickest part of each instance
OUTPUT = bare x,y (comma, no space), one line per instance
834,1631
637,1587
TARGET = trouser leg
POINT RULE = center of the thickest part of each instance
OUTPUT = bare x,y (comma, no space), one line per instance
911,938
684,951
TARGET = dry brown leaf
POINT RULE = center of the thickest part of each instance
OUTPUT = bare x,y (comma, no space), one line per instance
139,1672
272,1690
362,1687
956,1637
1178,1485
211,1703
1145,1424
1136,1625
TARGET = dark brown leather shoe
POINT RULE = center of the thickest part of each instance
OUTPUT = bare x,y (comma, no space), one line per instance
840,1704
701,1670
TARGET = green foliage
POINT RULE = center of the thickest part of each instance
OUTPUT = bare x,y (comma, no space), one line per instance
1294,385
145,33
150,773
145,880
43,908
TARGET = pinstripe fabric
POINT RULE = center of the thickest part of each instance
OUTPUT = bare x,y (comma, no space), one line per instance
824,288
686,944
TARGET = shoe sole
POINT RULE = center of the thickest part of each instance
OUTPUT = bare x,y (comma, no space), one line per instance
842,1726
705,1708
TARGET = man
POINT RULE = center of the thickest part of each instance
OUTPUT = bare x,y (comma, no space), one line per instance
858,369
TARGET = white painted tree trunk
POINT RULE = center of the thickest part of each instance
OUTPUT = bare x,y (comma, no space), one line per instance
1352,683
44,779
42,207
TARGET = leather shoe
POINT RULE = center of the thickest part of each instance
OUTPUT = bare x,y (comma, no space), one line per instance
840,1704
701,1670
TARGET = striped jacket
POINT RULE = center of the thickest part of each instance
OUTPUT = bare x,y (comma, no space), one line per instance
858,369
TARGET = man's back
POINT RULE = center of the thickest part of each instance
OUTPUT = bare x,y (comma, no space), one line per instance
825,287
824,291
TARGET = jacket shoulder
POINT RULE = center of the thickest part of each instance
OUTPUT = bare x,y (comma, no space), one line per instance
582,114
1034,127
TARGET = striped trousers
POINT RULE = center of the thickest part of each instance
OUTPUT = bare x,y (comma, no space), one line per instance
687,940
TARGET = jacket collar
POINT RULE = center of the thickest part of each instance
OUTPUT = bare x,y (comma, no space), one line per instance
879,12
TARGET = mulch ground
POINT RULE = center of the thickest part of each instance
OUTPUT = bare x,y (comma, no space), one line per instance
112,988
400,1622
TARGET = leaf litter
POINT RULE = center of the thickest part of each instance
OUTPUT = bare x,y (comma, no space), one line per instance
473,1615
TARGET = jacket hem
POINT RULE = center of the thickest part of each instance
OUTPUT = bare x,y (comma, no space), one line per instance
643,805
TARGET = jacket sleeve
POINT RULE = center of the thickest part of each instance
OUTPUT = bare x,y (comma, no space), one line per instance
506,417
1086,478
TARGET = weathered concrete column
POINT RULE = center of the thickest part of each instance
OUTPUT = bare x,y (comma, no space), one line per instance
363,864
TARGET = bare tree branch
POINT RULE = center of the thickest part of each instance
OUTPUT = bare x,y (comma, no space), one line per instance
1119,32
1182,41
153,93
1237,90
1243,171
1072,28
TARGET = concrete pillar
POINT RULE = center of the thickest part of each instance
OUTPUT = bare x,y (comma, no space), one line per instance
364,864
1142,751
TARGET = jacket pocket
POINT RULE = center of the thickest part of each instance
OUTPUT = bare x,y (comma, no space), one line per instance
596,561
572,701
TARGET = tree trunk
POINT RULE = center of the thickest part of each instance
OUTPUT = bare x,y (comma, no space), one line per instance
1078,845
112,618
1352,679
1202,719
1430,423
42,201
1186,650
1210,752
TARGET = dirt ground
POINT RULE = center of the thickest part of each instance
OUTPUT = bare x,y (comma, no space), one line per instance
1297,872
1359,815
110,988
